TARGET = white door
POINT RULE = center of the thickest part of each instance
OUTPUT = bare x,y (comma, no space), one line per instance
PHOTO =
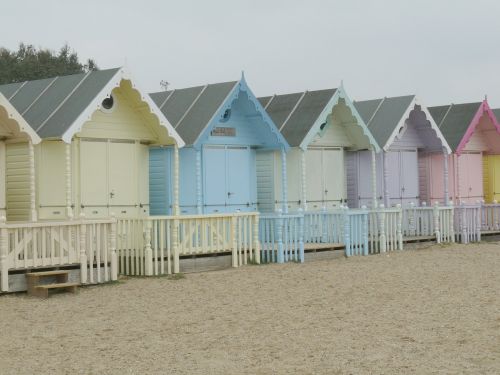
122,179
314,183
394,180
333,177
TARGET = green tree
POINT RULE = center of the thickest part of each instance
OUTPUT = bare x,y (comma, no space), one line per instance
29,63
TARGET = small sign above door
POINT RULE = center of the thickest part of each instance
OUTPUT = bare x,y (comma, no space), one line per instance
223,132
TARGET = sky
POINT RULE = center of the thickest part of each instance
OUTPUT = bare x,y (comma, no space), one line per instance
444,51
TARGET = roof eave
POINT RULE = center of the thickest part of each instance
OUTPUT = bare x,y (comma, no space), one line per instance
23,125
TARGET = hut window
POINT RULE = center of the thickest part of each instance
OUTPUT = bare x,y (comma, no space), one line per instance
322,126
108,104
226,115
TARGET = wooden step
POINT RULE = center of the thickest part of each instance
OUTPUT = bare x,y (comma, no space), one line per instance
46,273
43,290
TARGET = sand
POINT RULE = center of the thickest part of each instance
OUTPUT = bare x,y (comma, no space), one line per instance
427,311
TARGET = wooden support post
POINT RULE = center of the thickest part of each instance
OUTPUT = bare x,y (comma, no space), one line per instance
176,210
411,220
437,231
386,179
256,256
301,236
347,232
112,249
175,244
279,236
31,151
83,250
284,182
446,180
303,178
4,254
234,241
199,197
69,208
374,179
463,223
451,223
381,228
399,225
148,251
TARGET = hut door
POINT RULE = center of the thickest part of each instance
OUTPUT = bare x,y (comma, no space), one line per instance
409,177
314,168
470,177
94,178
333,177
238,179
394,172
123,182
214,161
494,168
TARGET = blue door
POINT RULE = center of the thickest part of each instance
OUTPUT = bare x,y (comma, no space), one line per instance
238,179
214,168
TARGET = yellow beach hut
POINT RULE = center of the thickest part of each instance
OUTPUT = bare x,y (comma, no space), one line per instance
89,151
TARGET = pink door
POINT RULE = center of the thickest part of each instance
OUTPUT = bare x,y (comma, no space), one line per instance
475,169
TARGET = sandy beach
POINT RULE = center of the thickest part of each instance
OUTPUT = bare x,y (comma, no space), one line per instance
429,311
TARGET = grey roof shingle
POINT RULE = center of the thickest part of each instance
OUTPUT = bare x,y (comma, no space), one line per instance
383,115
496,112
190,110
453,120
51,105
295,114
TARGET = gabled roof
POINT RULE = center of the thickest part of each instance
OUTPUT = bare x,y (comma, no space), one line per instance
21,124
193,110
58,107
299,115
454,120
385,116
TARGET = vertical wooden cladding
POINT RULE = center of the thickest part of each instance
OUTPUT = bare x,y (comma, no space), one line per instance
113,178
265,181
17,180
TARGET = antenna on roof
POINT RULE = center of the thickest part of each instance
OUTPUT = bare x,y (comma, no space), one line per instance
164,85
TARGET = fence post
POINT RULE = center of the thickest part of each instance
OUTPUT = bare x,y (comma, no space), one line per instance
234,241
279,234
437,232
114,259
479,223
175,244
4,253
411,219
347,232
83,252
381,228
256,254
365,230
399,225
324,225
148,252
451,221
301,235
495,214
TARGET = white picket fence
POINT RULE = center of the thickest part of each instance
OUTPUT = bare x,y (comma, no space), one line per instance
385,229
490,217
428,222
468,222
154,245
89,243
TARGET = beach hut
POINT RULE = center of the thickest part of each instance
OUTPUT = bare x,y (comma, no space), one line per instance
225,129
95,130
472,132
320,126
404,129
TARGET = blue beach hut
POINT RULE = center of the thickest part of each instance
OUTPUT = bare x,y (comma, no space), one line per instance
224,127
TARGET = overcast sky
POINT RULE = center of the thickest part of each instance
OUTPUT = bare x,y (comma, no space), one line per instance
442,50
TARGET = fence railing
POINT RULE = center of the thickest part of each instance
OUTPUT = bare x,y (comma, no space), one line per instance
468,222
282,237
490,217
422,222
385,229
90,243
154,245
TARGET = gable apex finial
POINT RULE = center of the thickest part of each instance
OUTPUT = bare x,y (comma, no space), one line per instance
243,75
342,84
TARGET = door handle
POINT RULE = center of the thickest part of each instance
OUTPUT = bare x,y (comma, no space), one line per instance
229,194
111,194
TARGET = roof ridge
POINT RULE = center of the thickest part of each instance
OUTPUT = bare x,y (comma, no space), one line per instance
270,100
64,101
444,117
376,110
19,89
40,95
166,100
293,110
191,106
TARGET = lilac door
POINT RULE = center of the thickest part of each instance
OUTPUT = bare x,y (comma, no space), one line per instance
365,194
394,177
409,177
